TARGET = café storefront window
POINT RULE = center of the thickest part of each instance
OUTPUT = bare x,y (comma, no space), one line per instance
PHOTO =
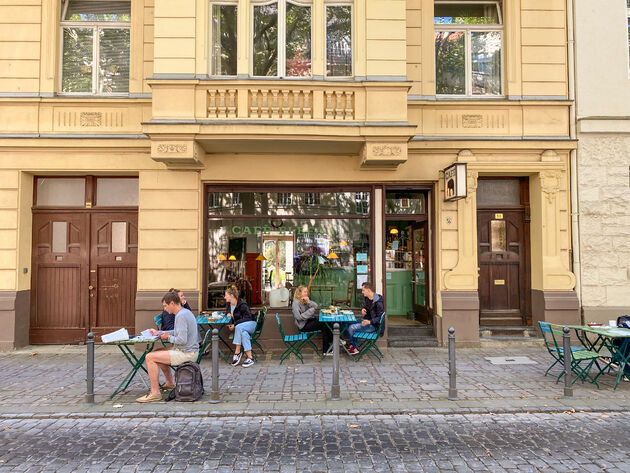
267,243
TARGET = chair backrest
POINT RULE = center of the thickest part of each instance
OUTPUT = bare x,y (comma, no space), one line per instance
350,291
556,335
279,325
547,335
158,321
260,321
381,325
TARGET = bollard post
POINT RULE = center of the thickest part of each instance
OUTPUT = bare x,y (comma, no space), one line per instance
89,397
214,393
452,370
335,391
568,361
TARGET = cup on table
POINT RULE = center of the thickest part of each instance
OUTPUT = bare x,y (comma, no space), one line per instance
612,323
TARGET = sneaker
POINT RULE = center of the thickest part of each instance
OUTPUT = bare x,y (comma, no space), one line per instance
353,351
343,343
248,362
330,353
236,359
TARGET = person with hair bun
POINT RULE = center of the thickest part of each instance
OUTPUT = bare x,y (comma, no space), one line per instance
243,324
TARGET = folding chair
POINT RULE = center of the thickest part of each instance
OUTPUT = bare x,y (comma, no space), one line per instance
158,324
260,322
545,328
367,341
577,358
295,343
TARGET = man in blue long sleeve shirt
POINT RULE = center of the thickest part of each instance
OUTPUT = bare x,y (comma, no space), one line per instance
185,340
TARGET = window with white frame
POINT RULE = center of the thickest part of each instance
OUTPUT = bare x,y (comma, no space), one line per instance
223,26
95,37
281,42
339,39
468,48
284,198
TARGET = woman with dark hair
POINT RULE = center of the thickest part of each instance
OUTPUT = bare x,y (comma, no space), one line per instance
243,324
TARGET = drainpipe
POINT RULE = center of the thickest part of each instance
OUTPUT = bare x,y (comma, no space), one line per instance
575,206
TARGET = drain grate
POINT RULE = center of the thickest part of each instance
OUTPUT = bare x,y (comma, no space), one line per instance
510,360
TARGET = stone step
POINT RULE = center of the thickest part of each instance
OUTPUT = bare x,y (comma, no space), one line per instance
412,342
410,331
508,331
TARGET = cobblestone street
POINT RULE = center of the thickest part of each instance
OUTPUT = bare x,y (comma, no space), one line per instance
462,443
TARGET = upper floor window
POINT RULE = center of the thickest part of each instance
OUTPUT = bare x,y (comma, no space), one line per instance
95,47
281,37
468,45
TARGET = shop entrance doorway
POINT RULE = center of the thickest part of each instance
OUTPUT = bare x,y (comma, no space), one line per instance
503,252
278,263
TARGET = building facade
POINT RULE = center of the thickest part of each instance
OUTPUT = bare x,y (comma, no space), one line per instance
603,156
150,144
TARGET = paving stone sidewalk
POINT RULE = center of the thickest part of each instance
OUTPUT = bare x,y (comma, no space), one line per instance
50,380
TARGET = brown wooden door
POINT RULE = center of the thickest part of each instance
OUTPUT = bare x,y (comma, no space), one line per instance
502,268
59,298
419,271
84,274
113,268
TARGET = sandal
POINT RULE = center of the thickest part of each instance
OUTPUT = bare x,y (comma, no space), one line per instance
150,398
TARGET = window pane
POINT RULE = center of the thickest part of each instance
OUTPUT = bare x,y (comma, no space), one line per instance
339,41
59,237
293,203
486,62
498,192
498,240
266,40
466,13
86,10
224,40
298,41
77,60
119,237
114,60
397,202
117,192
450,77
293,250
62,192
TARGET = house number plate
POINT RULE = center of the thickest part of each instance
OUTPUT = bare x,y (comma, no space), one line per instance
499,282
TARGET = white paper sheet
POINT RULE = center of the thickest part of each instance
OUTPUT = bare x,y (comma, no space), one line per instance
116,336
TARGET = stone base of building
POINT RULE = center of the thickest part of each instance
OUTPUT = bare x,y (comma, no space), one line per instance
460,309
556,307
603,315
15,307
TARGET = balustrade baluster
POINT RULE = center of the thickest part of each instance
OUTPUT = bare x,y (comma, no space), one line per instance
212,108
307,107
232,104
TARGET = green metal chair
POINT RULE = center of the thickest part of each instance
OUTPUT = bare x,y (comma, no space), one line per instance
367,341
260,322
581,360
545,328
295,343
158,323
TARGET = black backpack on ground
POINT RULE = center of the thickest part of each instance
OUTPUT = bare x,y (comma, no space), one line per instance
188,382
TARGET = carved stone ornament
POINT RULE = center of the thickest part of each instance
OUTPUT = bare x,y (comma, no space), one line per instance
386,150
471,179
472,121
163,148
550,183
91,118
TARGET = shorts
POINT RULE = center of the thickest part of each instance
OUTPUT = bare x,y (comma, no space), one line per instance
178,357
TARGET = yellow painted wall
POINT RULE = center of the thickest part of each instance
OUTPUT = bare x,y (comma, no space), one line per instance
9,197
20,32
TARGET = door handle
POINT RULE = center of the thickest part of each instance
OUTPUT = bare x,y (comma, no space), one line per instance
90,287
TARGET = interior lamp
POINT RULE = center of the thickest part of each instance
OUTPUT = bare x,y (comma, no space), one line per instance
221,257
343,243
261,257
393,231
333,255
232,258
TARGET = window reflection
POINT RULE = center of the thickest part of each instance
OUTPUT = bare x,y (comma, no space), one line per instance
498,238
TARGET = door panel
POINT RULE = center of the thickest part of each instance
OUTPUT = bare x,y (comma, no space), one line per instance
113,269
419,272
59,278
502,269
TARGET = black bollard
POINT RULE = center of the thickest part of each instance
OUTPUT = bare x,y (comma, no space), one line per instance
452,371
568,361
89,397
335,391
214,393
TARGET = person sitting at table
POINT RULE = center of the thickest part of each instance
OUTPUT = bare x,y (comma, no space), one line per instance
243,324
306,315
168,320
185,340
372,312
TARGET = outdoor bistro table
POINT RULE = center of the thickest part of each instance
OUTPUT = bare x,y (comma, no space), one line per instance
343,318
205,323
603,339
136,363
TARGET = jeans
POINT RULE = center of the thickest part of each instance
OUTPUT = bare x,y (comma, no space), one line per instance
242,332
356,328
314,324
